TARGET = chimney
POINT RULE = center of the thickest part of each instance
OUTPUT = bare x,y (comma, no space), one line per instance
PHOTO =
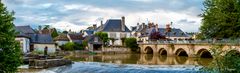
157,27
101,26
123,24
94,26
143,25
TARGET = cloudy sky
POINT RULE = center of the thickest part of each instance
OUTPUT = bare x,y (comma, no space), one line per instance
79,14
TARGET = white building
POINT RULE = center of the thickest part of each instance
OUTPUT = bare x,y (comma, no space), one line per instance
116,29
24,42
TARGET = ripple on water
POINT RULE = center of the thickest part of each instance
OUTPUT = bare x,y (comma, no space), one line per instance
95,67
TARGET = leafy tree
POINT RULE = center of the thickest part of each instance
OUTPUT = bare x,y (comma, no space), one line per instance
10,53
103,36
221,19
46,27
228,63
156,36
54,33
65,32
132,44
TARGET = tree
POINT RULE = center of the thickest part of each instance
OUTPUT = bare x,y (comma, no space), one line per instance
156,36
229,63
132,44
54,33
103,36
221,19
10,53
46,27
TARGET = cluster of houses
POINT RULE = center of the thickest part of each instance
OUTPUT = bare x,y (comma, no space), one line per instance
116,29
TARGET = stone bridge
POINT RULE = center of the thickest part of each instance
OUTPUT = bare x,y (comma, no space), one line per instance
187,49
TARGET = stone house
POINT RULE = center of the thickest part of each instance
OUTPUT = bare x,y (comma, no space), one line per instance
37,41
116,30
94,43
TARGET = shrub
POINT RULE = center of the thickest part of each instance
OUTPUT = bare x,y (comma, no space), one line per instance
70,46
132,44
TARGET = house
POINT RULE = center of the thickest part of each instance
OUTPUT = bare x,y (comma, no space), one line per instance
116,30
65,38
75,37
24,38
90,31
24,41
94,43
37,41
175,34
42,41
61,39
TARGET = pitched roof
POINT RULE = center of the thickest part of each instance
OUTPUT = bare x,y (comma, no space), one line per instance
175,32
89,32
41,38
61,37
75,36
113,25
47,31
25,29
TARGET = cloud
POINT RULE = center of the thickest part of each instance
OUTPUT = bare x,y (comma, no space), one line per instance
81,14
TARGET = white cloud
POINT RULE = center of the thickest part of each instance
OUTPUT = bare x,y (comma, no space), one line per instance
65,25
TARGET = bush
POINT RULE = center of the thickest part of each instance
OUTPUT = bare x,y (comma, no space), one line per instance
223,64
132,44
70,46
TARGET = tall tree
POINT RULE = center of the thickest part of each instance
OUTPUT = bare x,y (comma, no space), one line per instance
54,33
221,19
10,53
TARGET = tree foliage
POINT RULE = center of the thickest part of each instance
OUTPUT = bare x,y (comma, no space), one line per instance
156,36
54,33
223,61
132,44
70,46
103,36
10,53
221,19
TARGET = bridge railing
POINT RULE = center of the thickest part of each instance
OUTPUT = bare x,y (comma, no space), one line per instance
192,42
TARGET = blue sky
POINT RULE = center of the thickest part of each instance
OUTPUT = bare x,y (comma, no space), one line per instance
79,14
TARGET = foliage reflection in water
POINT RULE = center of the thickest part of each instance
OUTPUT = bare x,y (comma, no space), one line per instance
144,59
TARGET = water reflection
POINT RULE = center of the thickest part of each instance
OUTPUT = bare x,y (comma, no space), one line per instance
145,59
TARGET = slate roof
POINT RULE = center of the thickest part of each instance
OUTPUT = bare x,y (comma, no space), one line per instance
89,32
41,38
113,25
25,29
175,32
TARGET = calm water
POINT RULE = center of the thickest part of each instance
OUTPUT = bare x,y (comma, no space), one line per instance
127,63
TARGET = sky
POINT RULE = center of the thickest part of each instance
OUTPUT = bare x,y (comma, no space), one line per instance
80,14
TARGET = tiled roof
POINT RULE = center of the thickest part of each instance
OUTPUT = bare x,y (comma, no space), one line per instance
25,29
113,25
61,37
76,36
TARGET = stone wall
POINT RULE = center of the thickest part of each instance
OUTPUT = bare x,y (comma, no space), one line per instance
116,50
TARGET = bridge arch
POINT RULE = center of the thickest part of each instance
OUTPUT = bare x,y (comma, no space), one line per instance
204,53
162,51
181,52
148,50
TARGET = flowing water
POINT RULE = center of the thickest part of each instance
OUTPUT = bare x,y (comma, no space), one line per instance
127,63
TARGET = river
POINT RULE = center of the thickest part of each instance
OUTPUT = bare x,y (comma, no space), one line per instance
127,63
